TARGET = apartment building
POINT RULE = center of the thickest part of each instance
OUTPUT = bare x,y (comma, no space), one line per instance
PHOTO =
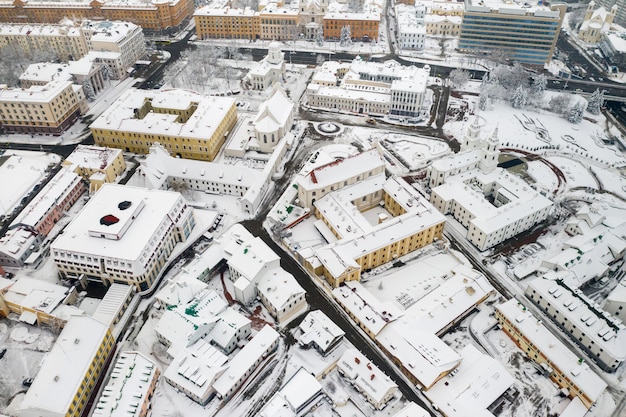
189,125
363,27
131,369
64,40
411,29
524,34
153,15
49,109
541,346
227,23
17,245
123,234
602,336
279,23
70,370
51,203
98,165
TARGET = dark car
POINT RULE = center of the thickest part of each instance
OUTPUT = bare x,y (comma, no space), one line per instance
3,351
27,382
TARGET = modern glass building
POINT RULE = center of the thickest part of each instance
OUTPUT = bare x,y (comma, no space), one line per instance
516,30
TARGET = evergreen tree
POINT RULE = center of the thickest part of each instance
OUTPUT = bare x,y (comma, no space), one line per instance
596,101
345,37
539,84
319,36
519,97
482,99
89,91
576,113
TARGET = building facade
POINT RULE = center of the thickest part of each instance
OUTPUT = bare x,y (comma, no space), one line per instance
363,27
153,16
123,234
227,23
96,164
527,35
49,109
189,125
596,23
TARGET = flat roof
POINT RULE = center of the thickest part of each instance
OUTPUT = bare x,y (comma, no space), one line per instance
35,93
113,301
80,234
93,157
279,287
365,375
37,294
65,366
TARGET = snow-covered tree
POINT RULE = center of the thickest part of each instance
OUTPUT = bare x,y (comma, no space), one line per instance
575,114
89,91
107,72
459,77
320,59
483,98
319,36
345,37
518,100
539,84
595,102
560,103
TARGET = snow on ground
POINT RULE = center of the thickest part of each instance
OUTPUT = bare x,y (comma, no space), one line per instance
19,172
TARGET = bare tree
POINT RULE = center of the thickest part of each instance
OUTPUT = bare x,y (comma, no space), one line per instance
459,77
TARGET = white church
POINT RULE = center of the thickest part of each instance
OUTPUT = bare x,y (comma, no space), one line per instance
269,70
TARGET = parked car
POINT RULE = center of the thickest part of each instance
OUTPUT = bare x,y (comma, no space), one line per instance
27,382
3,351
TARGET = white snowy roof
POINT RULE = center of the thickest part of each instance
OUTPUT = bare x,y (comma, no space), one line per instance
35,93
606,331
337,171
277,406
477,382
203,122
412,410
251,257
181,289
374,94
54,192
365,375
113,301
274,112
148,211
512,8
423,355
367,309
374,17
39,30
64,368
279,287
37,294
108,31
17,241
46,72
617,42
128,387
300,389
555,352
229,325
210,10
254,350
318,328
465,289
195,368
93,157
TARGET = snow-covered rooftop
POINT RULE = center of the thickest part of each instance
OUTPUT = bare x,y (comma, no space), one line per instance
514,7
317,328
556,352
93,157
129,386
53,193
108,31
44,72
300,388
130,236
253,351
17,241
474,385
279,287
37,294
35,93
64,369
365,375
113,302
205,119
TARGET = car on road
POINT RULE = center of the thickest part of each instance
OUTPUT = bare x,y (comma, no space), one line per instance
27,382
3,352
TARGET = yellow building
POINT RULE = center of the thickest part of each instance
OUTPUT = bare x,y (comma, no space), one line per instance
96,164
343,195
154,16
279,24
363,27
227,23
70,370
66,41
49,109
189,125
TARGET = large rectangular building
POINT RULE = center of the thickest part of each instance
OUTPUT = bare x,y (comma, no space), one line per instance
123,234
49,109
363,27
150,15
524,34
70,371
189,125
227,23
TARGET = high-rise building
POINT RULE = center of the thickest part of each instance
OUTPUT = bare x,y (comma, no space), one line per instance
521,33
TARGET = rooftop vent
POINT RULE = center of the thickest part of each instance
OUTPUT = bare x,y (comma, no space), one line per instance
109,220
124,205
